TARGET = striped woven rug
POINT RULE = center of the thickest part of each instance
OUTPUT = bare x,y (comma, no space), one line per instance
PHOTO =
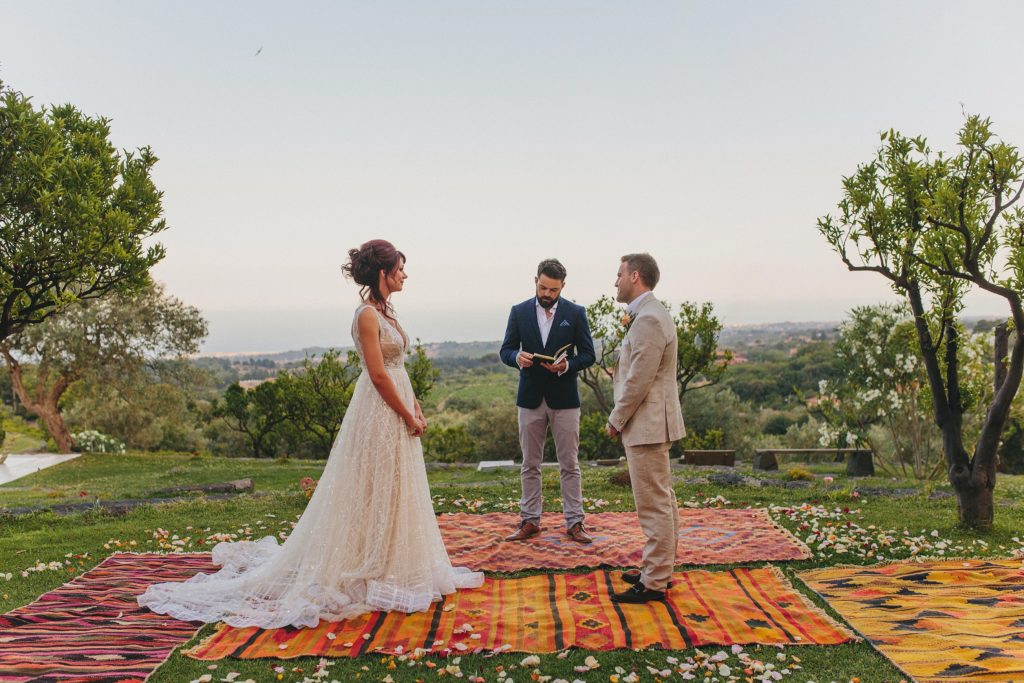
550,612
706,536
937,620
92,630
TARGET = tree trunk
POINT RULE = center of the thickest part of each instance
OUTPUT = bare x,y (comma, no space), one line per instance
974,497
54,421
1000,349
44,406
260,443
975,483
860,464
973,478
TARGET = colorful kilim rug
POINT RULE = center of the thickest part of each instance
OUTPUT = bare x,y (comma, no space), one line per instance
547,613
92,630
948,620
706,536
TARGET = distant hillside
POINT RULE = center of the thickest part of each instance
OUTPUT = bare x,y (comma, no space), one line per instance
276,357
446,349
733,336
766,334
450,349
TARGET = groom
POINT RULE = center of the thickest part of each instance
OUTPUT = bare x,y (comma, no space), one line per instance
648,418
548,394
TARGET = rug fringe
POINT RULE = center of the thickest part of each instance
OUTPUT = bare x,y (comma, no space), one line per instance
841,624
809,554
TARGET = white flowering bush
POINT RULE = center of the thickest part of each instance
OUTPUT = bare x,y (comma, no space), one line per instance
882,400
91,441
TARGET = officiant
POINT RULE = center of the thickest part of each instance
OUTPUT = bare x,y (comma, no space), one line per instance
557,329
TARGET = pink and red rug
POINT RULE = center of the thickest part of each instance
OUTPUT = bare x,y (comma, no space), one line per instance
706,536
91,629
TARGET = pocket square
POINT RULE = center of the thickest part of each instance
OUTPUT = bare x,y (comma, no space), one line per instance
565,323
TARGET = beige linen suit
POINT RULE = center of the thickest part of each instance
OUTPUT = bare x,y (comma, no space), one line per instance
648,414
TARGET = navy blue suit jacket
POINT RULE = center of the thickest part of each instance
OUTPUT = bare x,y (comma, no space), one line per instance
523,333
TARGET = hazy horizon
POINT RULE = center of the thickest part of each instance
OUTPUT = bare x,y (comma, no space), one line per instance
481,138
338,335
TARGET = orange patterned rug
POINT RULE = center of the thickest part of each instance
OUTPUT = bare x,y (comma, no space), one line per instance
706,536
551,612
938,621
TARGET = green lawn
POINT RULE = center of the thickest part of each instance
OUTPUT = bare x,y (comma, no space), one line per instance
16,442
473,389
50,549
21,436
111,477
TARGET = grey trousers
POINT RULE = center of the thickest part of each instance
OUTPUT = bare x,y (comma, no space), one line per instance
565,430
651,476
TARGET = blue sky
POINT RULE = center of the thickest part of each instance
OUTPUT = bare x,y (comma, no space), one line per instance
482,137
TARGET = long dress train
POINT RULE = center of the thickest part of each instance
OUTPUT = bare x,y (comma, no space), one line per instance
368,540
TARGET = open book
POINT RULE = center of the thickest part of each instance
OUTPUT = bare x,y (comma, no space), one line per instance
555,359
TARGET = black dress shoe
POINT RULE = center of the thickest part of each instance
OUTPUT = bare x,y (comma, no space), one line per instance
638,594
632,577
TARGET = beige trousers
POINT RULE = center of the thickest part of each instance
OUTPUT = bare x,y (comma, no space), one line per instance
565,431
651,477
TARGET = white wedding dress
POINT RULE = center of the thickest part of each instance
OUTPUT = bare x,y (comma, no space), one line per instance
367,541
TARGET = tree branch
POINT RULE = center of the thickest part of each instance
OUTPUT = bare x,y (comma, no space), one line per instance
885,272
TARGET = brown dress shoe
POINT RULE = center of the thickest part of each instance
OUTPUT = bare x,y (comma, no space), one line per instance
579,534
527,529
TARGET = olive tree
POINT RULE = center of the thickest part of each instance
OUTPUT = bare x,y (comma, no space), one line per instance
107,340
699,363
75,213
315,398
936,225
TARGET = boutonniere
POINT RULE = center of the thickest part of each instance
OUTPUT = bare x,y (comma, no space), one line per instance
627,320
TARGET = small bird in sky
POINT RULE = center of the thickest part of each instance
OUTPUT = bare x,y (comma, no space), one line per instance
258,51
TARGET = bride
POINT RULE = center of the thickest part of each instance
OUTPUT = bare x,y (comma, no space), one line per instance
368,540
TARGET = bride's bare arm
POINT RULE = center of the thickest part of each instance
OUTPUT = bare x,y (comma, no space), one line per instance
369,339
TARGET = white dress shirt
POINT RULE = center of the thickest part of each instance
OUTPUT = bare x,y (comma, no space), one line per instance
635,303
543,321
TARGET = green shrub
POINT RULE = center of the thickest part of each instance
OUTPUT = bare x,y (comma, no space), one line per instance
1011,450
494,431
463,403
620,477
799,474
711,440
777,424
594,441
447,444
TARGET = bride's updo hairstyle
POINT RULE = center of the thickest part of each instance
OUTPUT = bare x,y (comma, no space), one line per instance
364,265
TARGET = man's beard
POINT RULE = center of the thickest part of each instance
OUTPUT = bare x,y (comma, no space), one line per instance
546,302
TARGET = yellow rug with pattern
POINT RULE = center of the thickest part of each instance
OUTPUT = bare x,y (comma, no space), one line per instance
551,612
938,621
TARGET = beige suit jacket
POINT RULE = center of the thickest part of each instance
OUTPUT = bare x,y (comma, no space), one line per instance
647,409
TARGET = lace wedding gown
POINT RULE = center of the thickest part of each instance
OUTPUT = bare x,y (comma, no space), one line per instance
368,540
